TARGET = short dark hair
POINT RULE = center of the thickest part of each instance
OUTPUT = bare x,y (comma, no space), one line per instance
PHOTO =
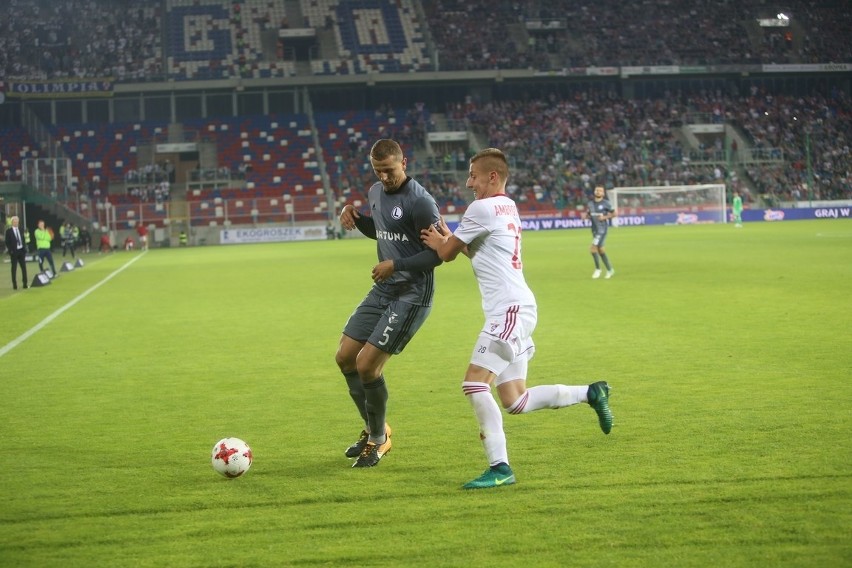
385,148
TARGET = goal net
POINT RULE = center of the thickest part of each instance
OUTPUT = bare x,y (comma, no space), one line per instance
669,205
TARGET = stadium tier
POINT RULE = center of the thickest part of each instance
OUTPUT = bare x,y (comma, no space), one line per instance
16,145
271,148
138,40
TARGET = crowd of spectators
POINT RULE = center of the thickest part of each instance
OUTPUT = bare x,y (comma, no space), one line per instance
350,171
799,146
793,148
813,134
155,172
157,192
80,39
482,34
123,39
561,148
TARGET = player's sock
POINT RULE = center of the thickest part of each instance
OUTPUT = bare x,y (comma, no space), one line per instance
490,421
356,391
548,396
376,394
597,260
606,261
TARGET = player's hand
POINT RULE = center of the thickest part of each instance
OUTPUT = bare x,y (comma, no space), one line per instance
347,216
442,227
432,237
382,271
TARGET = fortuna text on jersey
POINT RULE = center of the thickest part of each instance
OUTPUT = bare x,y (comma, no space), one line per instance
389,236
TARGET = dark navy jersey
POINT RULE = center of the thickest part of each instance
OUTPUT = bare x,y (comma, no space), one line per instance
596,209
398,219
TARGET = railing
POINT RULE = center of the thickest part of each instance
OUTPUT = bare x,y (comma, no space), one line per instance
744,157
757,155
126,213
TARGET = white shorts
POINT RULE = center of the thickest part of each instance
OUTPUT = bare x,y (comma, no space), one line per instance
505,344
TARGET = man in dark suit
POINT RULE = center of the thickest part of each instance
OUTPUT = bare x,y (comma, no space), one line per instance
17,251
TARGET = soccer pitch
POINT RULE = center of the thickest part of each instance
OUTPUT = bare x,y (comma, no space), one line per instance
728,351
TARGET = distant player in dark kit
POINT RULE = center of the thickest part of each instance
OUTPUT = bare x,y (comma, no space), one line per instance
400,299
69,239
599,211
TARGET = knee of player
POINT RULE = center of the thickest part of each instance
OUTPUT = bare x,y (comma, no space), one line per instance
514,405
344,362
367,371
513,395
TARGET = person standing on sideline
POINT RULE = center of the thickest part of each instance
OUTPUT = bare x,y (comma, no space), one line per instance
142,231
400,299
85,239
599,210
68,239
17,249
43,238
737,209
490,235
105,245
27,241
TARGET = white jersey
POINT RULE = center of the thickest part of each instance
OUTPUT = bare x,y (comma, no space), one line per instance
491,228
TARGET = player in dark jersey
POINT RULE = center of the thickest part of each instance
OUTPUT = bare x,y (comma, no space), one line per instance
401,296
599,210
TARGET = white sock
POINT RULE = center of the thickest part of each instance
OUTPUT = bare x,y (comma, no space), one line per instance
490,421
548,396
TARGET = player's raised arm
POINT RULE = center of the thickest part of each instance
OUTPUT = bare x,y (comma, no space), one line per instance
351,218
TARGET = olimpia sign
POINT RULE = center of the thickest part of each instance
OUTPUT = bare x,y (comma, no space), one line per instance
60,88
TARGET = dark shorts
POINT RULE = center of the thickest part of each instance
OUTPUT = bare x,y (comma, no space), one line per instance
598,239
386,323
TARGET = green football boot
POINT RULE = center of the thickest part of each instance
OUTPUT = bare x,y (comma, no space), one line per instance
494,476
598,397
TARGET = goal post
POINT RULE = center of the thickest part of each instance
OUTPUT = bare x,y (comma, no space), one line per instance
671,204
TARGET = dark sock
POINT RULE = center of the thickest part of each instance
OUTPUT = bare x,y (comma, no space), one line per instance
377,398
356,391
606,262
597,261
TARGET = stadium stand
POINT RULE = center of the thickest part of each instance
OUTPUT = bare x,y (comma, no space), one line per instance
101,153
281,167
138,40
372,36
216,39
16,145
81,39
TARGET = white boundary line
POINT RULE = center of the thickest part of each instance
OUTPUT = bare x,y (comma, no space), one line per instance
39,326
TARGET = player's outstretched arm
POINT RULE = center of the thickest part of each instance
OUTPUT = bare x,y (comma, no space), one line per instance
425,212
447,246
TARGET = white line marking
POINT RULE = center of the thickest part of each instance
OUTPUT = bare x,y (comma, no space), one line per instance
14,343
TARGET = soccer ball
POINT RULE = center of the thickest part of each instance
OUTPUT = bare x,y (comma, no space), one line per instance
231,457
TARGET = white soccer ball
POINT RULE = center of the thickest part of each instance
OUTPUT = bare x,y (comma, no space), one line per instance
231,457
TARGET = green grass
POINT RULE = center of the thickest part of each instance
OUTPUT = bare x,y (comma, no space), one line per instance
728,350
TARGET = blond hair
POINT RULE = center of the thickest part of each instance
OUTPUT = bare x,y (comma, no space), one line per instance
493,160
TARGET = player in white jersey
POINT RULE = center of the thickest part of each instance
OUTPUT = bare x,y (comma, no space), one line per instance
490,235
